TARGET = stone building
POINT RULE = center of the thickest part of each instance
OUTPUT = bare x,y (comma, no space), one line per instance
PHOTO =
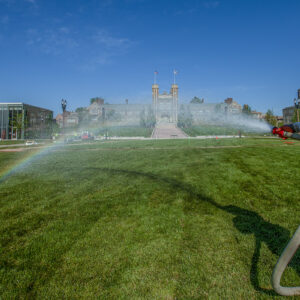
71,119
165,106
232,106
288,114
257,115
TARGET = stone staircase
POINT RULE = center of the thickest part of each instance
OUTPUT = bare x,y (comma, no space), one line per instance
167,131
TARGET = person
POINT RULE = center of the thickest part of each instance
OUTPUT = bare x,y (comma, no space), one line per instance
288,131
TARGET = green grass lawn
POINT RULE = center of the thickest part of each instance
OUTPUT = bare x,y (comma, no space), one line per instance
204,129
124,131
171,219
11,142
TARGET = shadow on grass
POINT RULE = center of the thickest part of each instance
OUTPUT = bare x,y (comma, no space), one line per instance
246,221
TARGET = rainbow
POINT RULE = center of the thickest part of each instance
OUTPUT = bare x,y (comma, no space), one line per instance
33,154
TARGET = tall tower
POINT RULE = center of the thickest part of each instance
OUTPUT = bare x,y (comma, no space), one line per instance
155,93
174,93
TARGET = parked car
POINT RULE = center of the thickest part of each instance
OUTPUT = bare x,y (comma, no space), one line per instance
30,143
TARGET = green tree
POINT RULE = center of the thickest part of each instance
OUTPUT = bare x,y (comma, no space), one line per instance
270,118
97,99
246,109
55,129
295,117
18,124
83,115
197,100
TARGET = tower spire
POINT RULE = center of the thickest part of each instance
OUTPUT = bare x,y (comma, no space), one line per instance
175,72
155,74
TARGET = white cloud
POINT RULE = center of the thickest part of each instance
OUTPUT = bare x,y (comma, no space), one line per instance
53,42
102,37
86,51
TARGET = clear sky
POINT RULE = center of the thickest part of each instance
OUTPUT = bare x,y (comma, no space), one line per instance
79,49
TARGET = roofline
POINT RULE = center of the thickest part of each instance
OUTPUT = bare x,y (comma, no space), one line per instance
11,103
23,103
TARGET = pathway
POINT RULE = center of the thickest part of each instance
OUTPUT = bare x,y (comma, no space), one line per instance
167,131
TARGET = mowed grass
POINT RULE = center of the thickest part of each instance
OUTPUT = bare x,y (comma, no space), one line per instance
124,131
204,129
173,219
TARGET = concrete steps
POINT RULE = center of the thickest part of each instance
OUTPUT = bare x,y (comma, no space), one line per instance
167,131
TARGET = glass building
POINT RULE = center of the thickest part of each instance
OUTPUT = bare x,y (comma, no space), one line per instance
23,121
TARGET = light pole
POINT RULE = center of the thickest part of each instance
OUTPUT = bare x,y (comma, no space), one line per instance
63,106
297,106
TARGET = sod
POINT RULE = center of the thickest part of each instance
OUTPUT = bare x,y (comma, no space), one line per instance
172,219
123,131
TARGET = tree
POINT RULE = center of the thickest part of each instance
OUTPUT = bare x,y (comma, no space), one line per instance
17,123
246,109
270,118
83,115
295,117
99,100
197,100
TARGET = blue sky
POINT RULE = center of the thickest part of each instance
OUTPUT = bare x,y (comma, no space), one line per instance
76,49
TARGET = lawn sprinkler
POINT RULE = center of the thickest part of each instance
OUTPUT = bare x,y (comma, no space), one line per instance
287,131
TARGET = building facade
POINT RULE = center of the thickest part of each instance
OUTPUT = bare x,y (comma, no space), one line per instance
70,119
23,121
288,114
165,106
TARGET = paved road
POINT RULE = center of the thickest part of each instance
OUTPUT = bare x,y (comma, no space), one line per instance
167,131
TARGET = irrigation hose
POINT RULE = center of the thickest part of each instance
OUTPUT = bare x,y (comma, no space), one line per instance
291,135
281,265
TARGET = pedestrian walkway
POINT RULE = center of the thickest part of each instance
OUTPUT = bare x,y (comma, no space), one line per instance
167,131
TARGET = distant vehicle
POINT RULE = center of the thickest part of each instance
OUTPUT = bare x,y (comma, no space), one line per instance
30,143
70,139
86,136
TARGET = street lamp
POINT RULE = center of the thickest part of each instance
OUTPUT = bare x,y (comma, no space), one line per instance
63,106
297,106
